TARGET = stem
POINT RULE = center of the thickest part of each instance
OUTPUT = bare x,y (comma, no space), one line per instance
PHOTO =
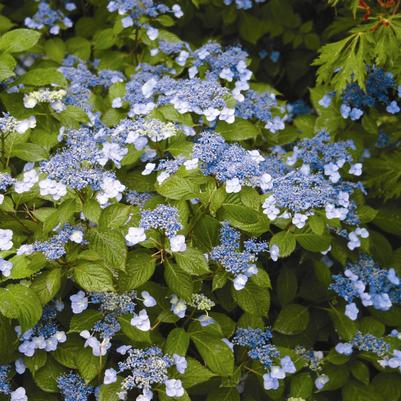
3,149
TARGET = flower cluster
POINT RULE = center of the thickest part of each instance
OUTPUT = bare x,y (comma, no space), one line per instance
321,154
5,385
54,248
230,164
164,218
9,124
381,89
314,361
146,367
135,11
261,349
52,19
112,306
73,387
45,335
53,97
243,4
239,263
300,192
82,80
365,343
366,281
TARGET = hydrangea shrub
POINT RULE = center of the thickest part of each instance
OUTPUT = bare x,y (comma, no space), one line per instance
200,200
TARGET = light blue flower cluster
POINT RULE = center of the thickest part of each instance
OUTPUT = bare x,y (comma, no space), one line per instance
54,248
52,19
314,362
82,80
381,89
134,11
300,191
258,105
5,387
229,64
262,350
239,263
163,217
297,108
366,343
366,281
243,4
77,166
230,67
5,181
139,199
112,306
322,154
45,335
73,387
146,367
81,161
229,163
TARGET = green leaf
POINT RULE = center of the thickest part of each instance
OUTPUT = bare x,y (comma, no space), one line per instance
65,352
355,391
37,361
388,385
195,373
360,371
244,218
46,377
7,65
104,39
224,394
110,245
349,54
216,354
206,233
317,224
55,49
29,152
192,261
21,303
338,376
72,116
253,299
239,130
93,277
8,340
92,210
89,366
285,241
345,327
25,266
47,284
292,319
313,242
84,320
178,281
287,286
43,77
139,269
19,40
109,392
177,342
301,385
389,220
178,188
114,216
